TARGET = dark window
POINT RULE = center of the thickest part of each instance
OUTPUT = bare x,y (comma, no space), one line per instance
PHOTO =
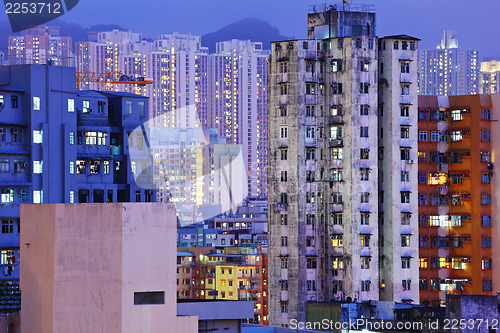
151,297
148,196
14,102
100,106
83,196
422,115
98,195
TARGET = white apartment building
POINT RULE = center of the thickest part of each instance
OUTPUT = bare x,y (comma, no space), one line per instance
238,104
41,45
489,82
448,69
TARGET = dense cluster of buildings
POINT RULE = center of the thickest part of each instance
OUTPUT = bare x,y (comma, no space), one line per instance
225,273
310,180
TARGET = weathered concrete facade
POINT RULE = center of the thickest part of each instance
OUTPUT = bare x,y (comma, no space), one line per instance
323,180
398,168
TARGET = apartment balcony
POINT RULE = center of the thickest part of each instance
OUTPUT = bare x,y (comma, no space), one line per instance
311,99
116,150
335,120
335,164
405,121
405,78
405,99
336,207
311,77
333,143
92,150
311,56
282,206
282,77
310,143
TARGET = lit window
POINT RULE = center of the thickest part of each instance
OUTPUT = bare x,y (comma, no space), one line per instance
91,138
129,107
38,197
71,196
365,262
101,138
86,106
7,195
71,105
37,166
71,167
36,103
37,136
71,138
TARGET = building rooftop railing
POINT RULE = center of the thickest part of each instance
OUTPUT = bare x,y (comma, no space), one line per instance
341,7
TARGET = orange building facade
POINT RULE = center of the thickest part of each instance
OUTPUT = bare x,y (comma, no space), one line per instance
457,199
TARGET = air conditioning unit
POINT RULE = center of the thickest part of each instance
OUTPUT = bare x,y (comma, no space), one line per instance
25,165
410,161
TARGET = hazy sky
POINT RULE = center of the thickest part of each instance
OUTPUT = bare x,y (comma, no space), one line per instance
476,21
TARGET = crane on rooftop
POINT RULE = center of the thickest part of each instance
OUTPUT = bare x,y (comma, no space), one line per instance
109,77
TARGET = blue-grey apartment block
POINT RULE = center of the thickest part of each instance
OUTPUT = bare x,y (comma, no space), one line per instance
60,145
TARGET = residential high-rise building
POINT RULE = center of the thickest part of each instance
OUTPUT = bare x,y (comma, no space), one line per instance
60,146
458,203
113,51
197,170
177,65
489,81
41,45
341,180
238,104
397,169
448,69
191,88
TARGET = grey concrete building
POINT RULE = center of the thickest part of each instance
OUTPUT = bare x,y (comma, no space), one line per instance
326,192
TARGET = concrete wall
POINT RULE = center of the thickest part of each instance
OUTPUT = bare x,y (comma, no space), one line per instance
85,261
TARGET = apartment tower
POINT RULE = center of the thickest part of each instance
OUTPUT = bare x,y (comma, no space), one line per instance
457,199
342,204
449,69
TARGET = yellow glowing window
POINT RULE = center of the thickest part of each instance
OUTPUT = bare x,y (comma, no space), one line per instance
438,178
338,263
422,263
443,263
337,240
